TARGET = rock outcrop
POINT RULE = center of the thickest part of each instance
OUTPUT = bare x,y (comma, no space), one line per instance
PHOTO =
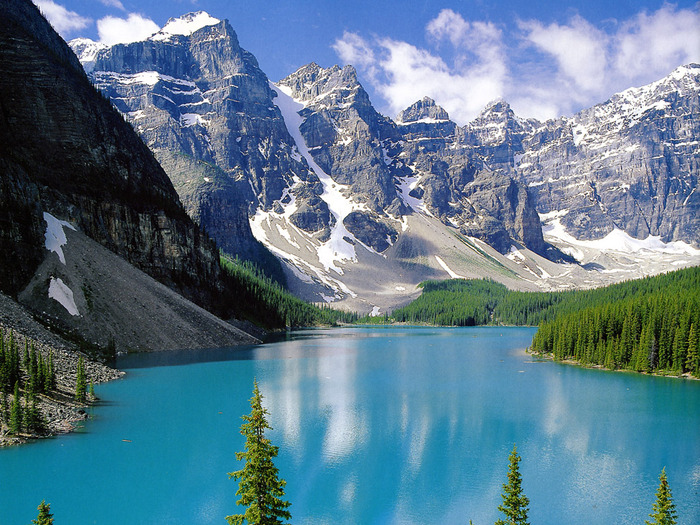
205,108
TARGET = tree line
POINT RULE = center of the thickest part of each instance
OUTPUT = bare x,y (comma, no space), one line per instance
647,325
264,302
650,326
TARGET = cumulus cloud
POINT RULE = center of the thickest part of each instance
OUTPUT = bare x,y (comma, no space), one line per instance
404,73
63,21
353,49
543,70
648,43
113,30
578,47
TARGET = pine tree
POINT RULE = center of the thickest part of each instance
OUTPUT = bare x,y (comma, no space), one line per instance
45,517
32,416
664,511
692,362
260,489
80,383
16,412
515,503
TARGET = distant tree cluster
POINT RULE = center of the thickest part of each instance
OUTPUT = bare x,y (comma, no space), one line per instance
648,326
266,303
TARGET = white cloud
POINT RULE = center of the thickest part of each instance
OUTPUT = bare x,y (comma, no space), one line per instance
579,49
353,49
648,44
412,73
404,73
63,21
543,70
135,27
113,3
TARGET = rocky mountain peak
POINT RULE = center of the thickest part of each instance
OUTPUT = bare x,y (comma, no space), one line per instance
185,25
496,112
331,87
425,110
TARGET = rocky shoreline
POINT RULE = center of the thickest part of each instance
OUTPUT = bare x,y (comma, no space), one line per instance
59,410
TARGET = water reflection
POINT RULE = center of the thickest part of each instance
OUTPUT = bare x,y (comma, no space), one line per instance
415,426
438,419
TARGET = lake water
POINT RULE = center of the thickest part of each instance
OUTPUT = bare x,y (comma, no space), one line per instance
375,426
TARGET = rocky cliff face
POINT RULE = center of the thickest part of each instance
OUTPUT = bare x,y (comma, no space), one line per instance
201,96
65,150
205,109
462,175
631,163
422,152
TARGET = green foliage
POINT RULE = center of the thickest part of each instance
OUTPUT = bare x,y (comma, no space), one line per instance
10,372
260,489
664,511
16,418
515,503
646,325
266,303
45,517
80,382
32,418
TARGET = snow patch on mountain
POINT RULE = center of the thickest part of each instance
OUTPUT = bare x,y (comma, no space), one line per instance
444,266
338,248
55,237
59,291
86,50
619,241
185,25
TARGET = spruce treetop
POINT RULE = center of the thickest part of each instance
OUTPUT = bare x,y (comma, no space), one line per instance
260,488
664,511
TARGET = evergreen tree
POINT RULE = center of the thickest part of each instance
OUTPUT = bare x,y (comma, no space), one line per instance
80,382
4,410
515,503
45,517
692,362
16,412
664,511
260,489
32,416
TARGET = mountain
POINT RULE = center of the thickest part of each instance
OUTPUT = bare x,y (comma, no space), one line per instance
205,109
629,164
68,157
360,207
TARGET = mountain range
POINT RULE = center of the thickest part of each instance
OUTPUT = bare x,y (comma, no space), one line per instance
360,207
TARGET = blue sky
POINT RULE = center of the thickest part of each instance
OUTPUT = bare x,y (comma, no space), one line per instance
546,58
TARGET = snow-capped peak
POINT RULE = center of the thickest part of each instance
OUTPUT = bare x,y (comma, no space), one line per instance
86,50
185,25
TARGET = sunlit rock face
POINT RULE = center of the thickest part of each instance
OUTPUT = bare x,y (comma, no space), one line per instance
631,163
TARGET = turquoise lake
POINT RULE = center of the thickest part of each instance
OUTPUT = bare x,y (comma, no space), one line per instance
375,426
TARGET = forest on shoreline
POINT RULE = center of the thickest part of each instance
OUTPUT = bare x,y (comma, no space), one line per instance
646,325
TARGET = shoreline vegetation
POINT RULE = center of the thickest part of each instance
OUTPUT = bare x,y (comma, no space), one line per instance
44,390
649,325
